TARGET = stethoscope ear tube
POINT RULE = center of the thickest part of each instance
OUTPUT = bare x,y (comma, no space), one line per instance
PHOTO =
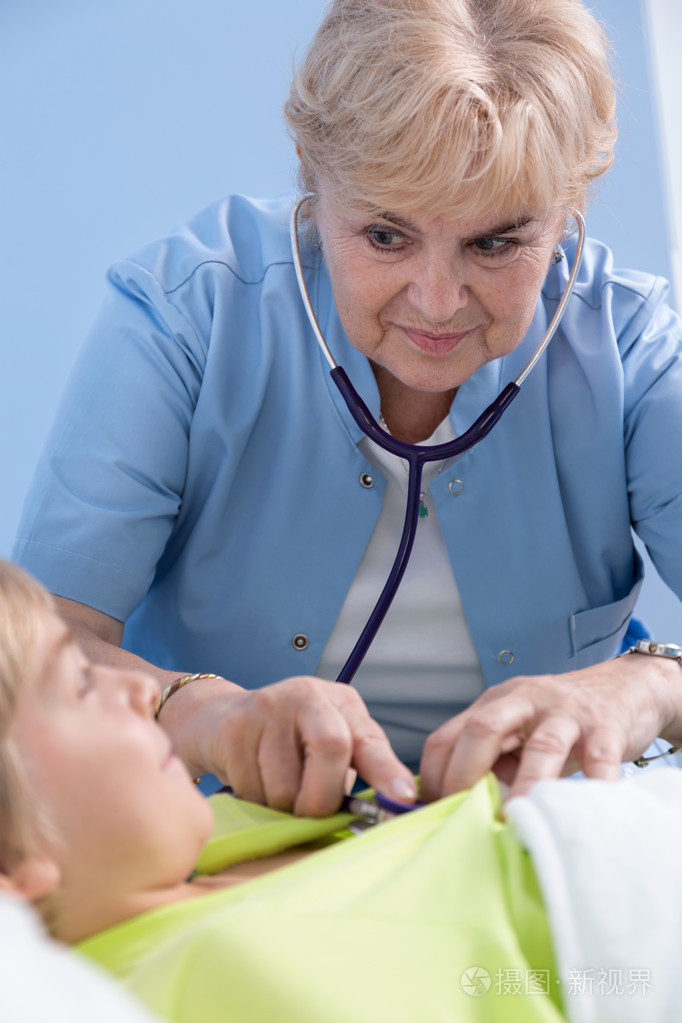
417,452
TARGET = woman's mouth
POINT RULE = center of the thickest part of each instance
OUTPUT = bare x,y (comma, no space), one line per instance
434,344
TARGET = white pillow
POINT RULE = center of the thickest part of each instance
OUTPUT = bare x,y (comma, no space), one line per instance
43,980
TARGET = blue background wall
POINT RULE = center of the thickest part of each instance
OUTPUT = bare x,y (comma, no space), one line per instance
120,120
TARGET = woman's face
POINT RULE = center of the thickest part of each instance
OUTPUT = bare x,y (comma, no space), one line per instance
121,803
432,300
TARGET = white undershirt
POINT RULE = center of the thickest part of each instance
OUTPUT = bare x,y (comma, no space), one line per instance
422,666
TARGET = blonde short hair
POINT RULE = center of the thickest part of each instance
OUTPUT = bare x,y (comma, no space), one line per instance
21,600
454,106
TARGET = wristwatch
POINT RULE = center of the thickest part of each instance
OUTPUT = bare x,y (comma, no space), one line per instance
650,646
654,649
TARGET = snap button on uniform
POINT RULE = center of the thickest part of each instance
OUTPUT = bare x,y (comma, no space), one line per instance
505,657
455,487
366,480
300,641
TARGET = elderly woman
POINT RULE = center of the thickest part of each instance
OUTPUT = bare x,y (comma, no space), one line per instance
100,827
206,486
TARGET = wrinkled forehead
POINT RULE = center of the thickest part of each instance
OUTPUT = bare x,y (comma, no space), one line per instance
478,215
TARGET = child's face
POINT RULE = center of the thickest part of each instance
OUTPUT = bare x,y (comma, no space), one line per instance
122,804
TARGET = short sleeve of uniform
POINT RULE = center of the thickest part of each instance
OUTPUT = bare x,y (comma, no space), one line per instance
113,483
651,352
109,483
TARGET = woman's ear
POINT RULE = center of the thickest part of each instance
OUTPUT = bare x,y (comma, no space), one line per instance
32,879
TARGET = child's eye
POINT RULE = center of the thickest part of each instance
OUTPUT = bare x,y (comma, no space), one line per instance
84,682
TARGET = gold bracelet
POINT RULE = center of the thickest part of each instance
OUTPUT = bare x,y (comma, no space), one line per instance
178,684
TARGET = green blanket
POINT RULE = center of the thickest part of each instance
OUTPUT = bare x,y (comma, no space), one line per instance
432,917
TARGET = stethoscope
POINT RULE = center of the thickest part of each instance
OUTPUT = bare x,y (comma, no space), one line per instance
416,455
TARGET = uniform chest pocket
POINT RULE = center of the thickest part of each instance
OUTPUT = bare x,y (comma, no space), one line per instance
596,634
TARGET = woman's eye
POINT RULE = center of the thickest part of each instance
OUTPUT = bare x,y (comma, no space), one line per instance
385,239
494,246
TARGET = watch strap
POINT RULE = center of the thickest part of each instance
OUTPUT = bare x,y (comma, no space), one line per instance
655,649
652,648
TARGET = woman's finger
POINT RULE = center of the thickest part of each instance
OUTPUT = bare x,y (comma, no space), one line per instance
468,746
546,751
280,763
603,752
438,749
373,756
327,750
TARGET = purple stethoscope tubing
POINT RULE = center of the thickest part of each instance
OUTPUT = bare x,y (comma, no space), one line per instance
416,455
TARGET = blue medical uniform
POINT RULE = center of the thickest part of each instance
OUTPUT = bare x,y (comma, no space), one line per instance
202,481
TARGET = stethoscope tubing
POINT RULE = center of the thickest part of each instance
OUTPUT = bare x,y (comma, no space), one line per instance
417,455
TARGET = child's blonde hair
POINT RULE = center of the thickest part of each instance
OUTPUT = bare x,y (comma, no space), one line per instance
21,600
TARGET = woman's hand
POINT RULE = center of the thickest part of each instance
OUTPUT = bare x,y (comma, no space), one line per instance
289,745
543,726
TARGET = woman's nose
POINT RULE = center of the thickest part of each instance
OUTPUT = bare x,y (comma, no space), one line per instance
438,291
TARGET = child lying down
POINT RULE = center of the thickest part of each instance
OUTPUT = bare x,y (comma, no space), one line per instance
567,909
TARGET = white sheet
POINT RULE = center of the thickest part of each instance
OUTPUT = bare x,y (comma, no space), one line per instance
608,856
44,982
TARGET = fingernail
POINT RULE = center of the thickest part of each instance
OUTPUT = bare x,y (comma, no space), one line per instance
401,788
